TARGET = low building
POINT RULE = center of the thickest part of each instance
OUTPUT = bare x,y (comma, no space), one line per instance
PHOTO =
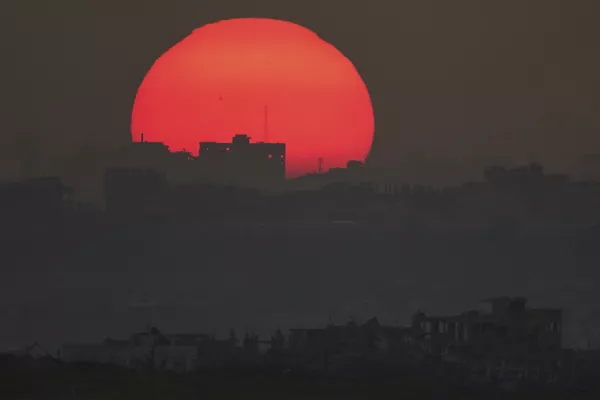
345,341
39,205
41,197
33,356
178,352
129,191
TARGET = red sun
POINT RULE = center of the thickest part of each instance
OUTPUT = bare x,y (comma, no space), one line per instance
220,80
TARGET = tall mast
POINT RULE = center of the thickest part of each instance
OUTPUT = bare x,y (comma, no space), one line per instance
266,138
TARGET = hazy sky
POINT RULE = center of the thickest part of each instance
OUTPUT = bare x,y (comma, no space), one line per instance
455,78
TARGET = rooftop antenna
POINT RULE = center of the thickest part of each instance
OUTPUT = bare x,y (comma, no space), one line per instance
266,124
320,163
142,138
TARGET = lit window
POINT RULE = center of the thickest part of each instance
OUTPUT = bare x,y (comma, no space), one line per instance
270,155
228,149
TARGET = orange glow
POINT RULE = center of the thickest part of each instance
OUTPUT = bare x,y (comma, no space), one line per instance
218,81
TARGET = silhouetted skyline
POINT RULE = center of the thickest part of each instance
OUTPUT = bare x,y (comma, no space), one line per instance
483,181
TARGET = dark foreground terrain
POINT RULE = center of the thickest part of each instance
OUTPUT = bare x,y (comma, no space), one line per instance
104,383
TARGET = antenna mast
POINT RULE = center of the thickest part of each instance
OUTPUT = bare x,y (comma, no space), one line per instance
266,124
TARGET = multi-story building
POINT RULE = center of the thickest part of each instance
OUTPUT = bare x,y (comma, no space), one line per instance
507,329
241,163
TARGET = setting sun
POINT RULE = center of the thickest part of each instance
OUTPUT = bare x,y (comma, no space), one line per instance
273,80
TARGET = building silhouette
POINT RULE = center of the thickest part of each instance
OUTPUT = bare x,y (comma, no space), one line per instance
154,349
133,190
241,163
504,331
176,167
33,202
